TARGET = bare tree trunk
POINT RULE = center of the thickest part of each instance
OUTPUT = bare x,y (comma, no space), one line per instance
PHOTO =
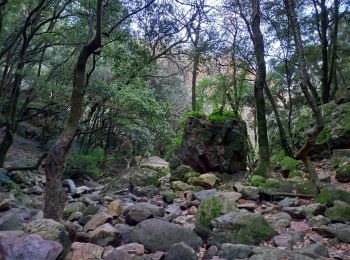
312,134
54,193
333,52
259,85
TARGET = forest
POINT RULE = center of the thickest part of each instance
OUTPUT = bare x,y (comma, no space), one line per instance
174,129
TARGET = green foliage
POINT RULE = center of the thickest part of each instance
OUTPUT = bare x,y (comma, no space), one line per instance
289,164
195,114
218,116
208,209
294,173
338,213
306,187
270,184
329,195
89,163
277,158
168,196
257,180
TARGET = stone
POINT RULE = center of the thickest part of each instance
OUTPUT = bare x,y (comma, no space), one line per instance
35,190
279,220
70,208
325,177
203,194
214,146
342,173
29,247
295,212
288,202
248,192
50,230
300,226
228,200
207,180
259,253
14,218
340,212
91,209
180,251
178,174
70,185
193,210
315,250
235,251
240,228
210,253
5,205
287,240
118,254
168,196
83,251
140,211
76,216
180,186
154,162
148,191
115,208
81,190
159,235
97,220
105,235
318,221
134,248
314,209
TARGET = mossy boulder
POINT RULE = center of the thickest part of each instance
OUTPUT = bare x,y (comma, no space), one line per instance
180,186
240,228
191,175
215,146
289,164
70,208
257,180
343,172
168,196
329,195
276,185
207,180
178,174
295,173
340,212
306,187
208,209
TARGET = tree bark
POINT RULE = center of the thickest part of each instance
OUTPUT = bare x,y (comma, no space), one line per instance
54,193
332,78
312,134
259,85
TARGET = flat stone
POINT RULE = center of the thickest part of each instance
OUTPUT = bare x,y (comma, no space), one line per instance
142,211
288,202
105,235
315,250
204,194
318,221
300,227
97,220
5,205
180,251
115,208
295,212
83,251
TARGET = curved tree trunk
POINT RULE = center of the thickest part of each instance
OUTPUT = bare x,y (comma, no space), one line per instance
54,193
312,134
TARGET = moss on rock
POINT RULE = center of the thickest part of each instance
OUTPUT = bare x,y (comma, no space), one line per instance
339,212
257,180
329,195
306,187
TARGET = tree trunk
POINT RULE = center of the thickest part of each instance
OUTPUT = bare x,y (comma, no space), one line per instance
260,83
194,80
324,50
54,193
312,134
332,78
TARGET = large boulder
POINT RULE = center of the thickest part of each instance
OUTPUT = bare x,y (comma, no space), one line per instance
240,228
219,146
28,248
159,235
142,211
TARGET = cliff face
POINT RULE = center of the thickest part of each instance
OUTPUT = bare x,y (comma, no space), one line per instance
219,146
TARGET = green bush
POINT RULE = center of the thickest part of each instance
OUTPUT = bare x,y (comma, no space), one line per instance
221,117
89,163
195,114
208,209
257,180
289,164
276,159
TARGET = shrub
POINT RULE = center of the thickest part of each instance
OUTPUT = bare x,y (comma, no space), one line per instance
295,173
257,180
89,163
220,117
195,114
289,164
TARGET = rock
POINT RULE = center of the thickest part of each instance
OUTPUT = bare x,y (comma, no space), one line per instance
209,146
147,191
15,218
279,220
288,202
204,194
134,248
125,231
115,208
91,209
210,253
228,200
207,180
180,186
193,210
83,251
314,209
50,230
149,232
240,227
266,253
155,162
178,174
5,205
248,192
248,206
29,247
315,250
343,171
168,196
180,251
318,221
141,211
105,235
342,96
300,227
286,240
118,254
237,251
35,190
76,216
295,212
173,209
340,212
97,220
81,190
70,208
325,177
